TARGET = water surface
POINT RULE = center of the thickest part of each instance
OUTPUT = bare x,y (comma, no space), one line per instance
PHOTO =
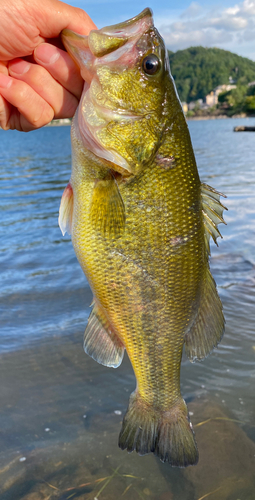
60,412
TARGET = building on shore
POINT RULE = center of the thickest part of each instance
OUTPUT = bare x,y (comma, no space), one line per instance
185,107
212,98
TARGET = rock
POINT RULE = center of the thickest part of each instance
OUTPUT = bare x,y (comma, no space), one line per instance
243,128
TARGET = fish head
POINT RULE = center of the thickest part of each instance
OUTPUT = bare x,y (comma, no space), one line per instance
121,115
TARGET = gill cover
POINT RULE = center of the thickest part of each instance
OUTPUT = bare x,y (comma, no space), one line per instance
121,113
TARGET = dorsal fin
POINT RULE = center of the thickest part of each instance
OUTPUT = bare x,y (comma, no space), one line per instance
100,341
212,210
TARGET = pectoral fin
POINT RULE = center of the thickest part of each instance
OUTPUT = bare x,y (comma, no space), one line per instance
208,327
107,209
66,210
100,341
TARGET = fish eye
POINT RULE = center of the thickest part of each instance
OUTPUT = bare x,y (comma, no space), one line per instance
151,64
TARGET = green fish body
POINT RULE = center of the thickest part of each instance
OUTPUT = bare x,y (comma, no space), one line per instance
140,221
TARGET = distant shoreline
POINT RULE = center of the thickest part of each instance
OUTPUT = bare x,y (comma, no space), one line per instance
217,117
63,122
67,121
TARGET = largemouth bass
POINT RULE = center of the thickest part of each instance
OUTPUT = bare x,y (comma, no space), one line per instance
140,221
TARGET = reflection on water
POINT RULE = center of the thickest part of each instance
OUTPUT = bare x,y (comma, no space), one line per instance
60,412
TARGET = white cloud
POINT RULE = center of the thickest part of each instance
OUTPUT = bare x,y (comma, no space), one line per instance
229,28
229,23
248,7
232,10
209,37
192,11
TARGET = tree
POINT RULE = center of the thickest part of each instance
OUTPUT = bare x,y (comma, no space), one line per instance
198,70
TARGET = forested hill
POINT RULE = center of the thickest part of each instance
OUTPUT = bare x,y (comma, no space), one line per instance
199,70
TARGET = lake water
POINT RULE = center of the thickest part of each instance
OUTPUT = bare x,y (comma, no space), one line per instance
61,412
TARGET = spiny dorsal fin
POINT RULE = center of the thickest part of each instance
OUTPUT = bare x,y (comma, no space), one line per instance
107,209
212,210
100,342
66,210
208,327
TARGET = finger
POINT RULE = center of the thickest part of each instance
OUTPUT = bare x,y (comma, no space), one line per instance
3,67
5,112
34,111
10,118
61,66
31,22
40,80
57,16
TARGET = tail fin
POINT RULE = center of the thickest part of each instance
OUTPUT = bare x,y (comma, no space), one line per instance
167,434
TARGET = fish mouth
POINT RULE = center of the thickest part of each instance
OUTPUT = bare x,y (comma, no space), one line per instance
106,46
108,39
111,38
110,47
146,13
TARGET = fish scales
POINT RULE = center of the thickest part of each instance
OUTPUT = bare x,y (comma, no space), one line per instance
135,211
152,295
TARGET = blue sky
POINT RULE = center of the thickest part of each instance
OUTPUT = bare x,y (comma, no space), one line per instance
229,24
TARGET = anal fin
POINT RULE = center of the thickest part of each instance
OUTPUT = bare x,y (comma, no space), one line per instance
100,341
207,330
66,210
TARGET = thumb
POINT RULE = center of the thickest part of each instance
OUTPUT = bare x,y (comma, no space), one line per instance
53,16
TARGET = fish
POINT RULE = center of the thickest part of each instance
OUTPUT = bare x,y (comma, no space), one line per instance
140,221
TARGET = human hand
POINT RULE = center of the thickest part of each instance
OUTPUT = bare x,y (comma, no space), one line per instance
34,90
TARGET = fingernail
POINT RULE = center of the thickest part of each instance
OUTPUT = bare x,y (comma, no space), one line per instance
19,67
46,53
5,81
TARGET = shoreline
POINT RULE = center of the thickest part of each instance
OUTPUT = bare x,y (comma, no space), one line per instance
219,117
67,121
63,122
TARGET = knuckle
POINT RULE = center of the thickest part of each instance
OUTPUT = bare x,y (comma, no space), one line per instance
41,75
23,91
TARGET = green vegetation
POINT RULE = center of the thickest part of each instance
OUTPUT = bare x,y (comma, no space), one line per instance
241,99
198,70
212,111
